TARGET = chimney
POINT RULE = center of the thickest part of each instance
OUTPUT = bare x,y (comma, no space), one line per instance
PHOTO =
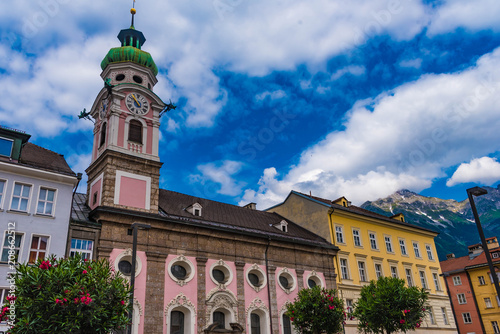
450,256
251,206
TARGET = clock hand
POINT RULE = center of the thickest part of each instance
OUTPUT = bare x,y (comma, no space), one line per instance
138,104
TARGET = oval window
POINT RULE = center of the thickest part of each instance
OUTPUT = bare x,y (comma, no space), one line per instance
254,279
120,77
137,79
179,271
125,267
219,275
311,283
284,282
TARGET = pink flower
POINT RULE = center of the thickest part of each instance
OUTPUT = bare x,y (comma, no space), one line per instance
417,325
85,271
332,307
402,321
123,302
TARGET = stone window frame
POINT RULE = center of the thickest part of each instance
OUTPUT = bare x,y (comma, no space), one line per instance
285,272
430,253
313,275
257,306
127,255
416,249
188,265
222,266
183,304
257,270
388,244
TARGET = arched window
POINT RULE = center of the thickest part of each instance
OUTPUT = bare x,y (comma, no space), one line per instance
103,134
176,322
255,323
219,318
135,131
287,325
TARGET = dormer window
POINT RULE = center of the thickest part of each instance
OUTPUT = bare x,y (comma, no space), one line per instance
283,226
6,146
195,209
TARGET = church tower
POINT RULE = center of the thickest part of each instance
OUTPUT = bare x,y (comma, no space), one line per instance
125,168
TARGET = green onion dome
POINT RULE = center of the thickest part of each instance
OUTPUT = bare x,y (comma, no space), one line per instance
132,41
129,53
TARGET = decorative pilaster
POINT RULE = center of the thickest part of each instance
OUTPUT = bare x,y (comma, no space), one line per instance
155,287
240,280
300,278
201,263
273,308
331,279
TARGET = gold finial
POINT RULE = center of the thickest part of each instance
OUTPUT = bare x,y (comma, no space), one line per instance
132,11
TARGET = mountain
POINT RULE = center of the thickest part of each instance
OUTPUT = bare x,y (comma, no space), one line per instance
452,219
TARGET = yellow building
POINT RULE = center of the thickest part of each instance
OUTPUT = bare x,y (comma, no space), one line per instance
372,245
484,291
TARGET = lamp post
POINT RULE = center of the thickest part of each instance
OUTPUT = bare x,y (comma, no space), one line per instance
134,228
477,191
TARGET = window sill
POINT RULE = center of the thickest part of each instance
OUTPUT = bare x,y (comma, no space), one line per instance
43,216
19,212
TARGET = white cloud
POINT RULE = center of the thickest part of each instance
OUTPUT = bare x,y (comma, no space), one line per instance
415,63
221,174
472,15
355,70
65,42
277,94
414,132
483,170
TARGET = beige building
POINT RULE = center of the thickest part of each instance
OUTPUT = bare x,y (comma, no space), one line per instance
372,245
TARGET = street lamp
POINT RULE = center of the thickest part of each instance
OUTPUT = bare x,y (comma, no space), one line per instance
134,228
477,191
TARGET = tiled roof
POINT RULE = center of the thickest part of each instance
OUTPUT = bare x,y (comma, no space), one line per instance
455,264
232,216
361,211
38,157
481,258
460,263
79,210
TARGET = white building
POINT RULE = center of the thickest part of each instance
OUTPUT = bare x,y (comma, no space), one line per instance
36,188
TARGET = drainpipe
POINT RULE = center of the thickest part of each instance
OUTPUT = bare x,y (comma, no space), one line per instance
268,288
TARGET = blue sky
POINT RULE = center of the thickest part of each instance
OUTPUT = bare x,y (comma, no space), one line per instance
338,98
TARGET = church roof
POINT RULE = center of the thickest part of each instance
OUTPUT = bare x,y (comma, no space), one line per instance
41,158
174,204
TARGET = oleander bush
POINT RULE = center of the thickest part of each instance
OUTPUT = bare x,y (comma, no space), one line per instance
69,295
316,311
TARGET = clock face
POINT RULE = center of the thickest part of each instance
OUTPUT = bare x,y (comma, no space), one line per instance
104,107
137,103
